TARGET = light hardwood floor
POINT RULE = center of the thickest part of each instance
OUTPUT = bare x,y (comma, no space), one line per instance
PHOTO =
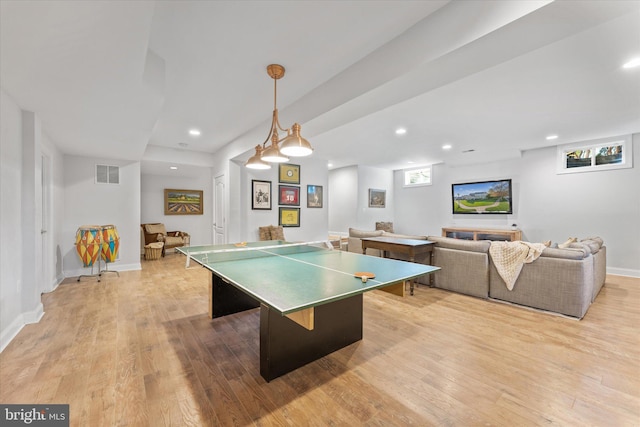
139,350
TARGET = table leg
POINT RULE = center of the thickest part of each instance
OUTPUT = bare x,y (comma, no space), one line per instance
412,258
285,345
225,298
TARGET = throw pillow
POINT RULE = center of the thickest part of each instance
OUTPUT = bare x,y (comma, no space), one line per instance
265,233
385,226
569,241
173,241
277,233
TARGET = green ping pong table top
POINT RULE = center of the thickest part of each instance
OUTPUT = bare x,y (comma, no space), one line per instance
290,278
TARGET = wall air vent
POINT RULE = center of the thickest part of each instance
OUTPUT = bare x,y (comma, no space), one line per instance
106,174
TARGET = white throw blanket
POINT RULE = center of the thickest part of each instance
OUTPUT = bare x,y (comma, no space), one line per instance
509,257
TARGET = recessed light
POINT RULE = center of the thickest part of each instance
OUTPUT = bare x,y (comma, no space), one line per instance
552,137
401,131
173,168
194,132
410,162
635,62
329,165
446,147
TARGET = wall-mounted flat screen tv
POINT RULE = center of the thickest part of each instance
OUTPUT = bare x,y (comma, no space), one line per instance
483,197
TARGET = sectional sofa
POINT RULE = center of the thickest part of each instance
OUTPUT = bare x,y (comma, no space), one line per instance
564,281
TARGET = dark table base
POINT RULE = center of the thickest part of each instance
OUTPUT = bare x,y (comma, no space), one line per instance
284,344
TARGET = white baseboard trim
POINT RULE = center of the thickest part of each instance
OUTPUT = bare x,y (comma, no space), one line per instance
10,332
54,285
623,272
86,271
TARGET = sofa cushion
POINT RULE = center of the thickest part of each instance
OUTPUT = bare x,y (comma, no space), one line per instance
460,244
355,243
596,240
403,236
155,228
362,233
173,241
578,253
592,244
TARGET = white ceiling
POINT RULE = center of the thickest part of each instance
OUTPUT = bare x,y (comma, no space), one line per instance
127,80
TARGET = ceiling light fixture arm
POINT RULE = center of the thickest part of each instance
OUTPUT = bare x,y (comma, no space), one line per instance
293,144
276,72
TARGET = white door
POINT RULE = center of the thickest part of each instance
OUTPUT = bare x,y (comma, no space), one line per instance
219,220
45,279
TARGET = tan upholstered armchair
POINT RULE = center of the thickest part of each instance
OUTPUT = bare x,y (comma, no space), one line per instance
156,232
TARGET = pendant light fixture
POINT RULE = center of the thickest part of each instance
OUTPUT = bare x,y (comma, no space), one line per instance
293,144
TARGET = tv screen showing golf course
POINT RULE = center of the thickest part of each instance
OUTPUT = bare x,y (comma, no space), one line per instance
484,197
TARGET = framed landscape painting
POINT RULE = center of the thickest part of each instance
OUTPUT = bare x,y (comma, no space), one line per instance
182,202
377,198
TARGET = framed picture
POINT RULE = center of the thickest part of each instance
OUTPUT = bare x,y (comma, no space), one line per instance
289,174
182,202
289,195
377,198
289,217
260,194
314,196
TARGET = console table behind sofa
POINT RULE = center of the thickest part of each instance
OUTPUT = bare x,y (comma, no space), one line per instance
482,233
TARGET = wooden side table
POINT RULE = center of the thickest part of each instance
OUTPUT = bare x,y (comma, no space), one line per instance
411,247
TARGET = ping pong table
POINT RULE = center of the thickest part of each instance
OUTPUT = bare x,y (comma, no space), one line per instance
309,296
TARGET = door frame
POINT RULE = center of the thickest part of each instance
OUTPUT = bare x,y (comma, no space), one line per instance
219,209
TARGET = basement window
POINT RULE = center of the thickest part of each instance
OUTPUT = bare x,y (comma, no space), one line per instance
417,177
596,155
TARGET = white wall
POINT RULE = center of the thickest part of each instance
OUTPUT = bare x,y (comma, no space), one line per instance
349,202
380,179
343,199
199,227
313,221
56,210
426,209
31,213
88,203
24,272
10,219
547,206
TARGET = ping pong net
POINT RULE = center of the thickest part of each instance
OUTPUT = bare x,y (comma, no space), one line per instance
251,251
